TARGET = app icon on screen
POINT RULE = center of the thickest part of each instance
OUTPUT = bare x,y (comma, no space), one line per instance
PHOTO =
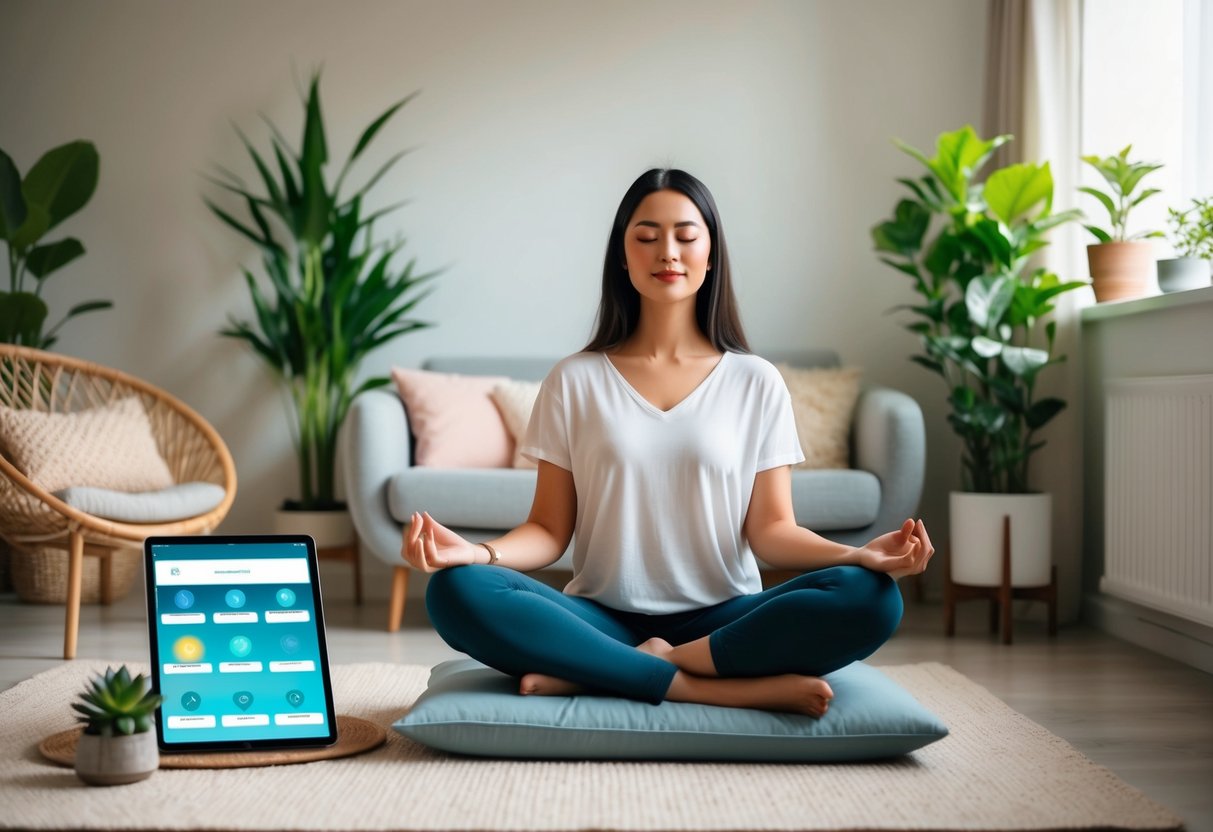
243,699
286,597
290,643
240,646
190,700
294,697
234,598
188,649
184,599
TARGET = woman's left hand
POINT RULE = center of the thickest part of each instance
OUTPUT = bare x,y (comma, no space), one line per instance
903,552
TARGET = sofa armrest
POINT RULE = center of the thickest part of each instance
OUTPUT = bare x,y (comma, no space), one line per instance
890,441
375,448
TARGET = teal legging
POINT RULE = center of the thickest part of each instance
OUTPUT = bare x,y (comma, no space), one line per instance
813,624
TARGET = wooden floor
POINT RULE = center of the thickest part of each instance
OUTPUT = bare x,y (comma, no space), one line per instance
1147,718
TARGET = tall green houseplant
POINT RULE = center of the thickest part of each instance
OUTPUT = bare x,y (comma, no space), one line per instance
335,292
57,186
965,245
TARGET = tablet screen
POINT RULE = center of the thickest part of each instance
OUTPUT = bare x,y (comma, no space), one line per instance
237,638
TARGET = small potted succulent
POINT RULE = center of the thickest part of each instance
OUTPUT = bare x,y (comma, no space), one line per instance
1192,236
118,744
1122,264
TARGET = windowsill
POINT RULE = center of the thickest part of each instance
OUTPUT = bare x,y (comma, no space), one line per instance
1120,308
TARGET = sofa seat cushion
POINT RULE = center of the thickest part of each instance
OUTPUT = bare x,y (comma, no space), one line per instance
468,498
833,499
471,709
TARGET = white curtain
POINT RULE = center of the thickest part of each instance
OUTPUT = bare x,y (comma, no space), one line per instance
1039,42
1198,99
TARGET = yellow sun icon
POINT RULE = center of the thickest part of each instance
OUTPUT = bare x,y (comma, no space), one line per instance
188,649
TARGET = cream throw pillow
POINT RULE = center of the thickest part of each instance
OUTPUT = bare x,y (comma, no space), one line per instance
823,400
105,447
454,420
516,400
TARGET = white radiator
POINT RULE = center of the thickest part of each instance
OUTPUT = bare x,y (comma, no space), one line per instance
1158,502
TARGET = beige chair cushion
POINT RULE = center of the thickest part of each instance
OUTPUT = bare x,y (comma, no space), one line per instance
105,447
516,400
823,400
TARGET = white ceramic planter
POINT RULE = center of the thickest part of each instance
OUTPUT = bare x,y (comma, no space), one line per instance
115,761
1181,273
976,546
329,529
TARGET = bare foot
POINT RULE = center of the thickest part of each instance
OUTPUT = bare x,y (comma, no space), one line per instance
789,693
537,684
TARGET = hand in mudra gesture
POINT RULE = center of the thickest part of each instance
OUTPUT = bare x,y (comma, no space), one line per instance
429,546
903,552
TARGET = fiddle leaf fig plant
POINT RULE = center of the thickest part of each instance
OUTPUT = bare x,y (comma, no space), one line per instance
57,186
966,245
1122,177
335,292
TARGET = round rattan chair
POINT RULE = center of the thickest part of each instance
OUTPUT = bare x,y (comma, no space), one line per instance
31,516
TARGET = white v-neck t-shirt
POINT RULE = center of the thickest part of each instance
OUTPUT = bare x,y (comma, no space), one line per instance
662,495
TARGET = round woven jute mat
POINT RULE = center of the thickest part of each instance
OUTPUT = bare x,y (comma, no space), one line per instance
354,736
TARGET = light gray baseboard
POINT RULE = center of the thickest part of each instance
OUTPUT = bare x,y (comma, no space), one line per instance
1176,638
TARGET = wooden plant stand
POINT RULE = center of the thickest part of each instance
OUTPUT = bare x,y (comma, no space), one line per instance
1001,596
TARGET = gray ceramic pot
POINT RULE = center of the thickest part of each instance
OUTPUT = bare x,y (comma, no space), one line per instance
114,761
1183,273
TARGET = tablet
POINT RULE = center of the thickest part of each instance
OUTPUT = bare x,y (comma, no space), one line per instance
237,643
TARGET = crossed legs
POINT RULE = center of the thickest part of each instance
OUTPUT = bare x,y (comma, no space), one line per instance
759,651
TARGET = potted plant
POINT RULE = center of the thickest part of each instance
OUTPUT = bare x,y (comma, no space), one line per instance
57,186
1122,264
118,744
334,295
1192,237
965,246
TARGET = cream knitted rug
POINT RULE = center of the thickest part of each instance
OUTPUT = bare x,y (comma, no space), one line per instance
997,770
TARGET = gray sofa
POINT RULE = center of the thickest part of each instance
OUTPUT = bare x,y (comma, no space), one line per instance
880,490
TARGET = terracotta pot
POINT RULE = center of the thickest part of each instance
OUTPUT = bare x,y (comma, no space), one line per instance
1183,273
976,525
115,761
330,529
1120,271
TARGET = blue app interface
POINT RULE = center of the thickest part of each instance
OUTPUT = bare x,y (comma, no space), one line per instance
238,648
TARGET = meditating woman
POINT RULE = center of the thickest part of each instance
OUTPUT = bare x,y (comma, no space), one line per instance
664,450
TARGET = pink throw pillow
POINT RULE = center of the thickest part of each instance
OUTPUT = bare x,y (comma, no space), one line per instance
454,420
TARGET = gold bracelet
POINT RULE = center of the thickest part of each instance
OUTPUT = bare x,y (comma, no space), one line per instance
493,556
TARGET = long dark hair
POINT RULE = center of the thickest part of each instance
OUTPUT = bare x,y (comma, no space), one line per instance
715,304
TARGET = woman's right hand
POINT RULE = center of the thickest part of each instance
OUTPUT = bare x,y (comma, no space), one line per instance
430,546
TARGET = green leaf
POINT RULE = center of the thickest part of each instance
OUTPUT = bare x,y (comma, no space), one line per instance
12,203
986,347
62,181
1042,412
1024,361
43,260
959,155
1014,190
21,317
987,299
993,237
903,234
374,127
1100,234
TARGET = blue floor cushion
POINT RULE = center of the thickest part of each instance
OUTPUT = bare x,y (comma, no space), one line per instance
472,709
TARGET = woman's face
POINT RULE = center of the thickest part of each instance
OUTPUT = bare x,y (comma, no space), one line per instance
667,247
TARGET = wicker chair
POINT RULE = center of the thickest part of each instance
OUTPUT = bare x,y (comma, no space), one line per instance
29,515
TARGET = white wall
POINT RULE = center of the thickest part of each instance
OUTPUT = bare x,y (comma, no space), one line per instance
533,119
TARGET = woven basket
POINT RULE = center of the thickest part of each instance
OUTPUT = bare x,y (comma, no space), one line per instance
40,574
